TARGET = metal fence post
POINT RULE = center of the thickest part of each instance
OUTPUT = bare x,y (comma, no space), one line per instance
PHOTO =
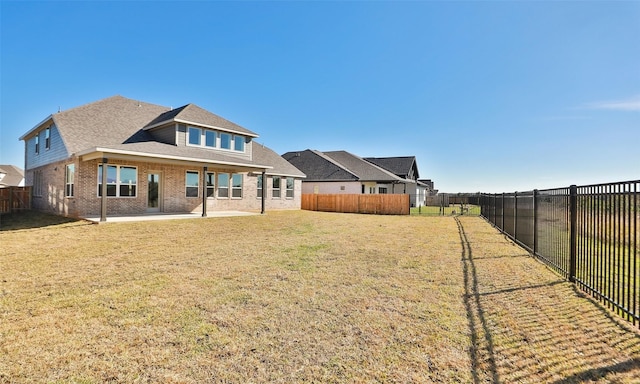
502,205
573,212
535,221
515,215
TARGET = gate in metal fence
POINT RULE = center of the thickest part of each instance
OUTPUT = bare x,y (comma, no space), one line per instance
589,234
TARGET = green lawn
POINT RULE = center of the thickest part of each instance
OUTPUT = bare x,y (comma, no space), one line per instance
292,297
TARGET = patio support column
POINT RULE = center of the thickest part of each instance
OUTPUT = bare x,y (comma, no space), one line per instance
264,188
204,191
103,191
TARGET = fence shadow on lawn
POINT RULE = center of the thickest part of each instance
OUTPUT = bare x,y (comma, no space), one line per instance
540,330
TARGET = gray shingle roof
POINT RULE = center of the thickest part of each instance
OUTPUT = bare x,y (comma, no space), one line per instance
193,114
120,125
13,175
110,121
338,166
399,166
281,167
318,167
365,170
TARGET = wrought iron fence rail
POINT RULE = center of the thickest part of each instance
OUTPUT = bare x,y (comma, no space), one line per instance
589,234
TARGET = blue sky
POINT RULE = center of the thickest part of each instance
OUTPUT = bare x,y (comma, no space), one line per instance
489,96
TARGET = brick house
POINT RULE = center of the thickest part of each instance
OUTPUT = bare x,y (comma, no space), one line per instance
157,159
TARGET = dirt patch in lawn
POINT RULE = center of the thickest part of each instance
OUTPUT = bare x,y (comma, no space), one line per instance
296,296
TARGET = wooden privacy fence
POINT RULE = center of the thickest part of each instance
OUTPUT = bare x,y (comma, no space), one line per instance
392,204
14,198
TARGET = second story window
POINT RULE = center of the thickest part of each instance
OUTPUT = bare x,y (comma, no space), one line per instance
195,136
238,143
37,143
208,138
47,138
225,141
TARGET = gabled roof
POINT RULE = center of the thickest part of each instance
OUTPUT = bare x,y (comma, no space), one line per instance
281,167
338,166
365,170
192,114
399,166
11,176
108,121
318,167
121,126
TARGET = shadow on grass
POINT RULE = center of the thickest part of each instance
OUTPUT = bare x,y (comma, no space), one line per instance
475,312
529,326
31,219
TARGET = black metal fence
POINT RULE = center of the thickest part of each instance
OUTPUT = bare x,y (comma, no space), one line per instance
589,234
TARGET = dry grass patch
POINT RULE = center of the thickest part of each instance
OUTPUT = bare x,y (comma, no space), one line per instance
290,297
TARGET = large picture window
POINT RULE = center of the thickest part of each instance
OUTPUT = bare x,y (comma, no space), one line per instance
192,183
236,185
275,193
290,187
70,176
122,181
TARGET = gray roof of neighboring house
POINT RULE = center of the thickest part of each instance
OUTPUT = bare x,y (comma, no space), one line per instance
400,166
365,170
318,167
338,166
13,176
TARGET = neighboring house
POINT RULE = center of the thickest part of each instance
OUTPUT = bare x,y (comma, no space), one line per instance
343,172
157,159
11,176
405,167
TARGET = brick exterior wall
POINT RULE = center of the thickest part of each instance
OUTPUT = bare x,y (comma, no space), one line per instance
86,201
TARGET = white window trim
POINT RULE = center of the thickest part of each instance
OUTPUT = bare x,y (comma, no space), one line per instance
228,186
218,141
286,188
273,189
259,180
118,184
198,187
235,188
66,181
47,138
